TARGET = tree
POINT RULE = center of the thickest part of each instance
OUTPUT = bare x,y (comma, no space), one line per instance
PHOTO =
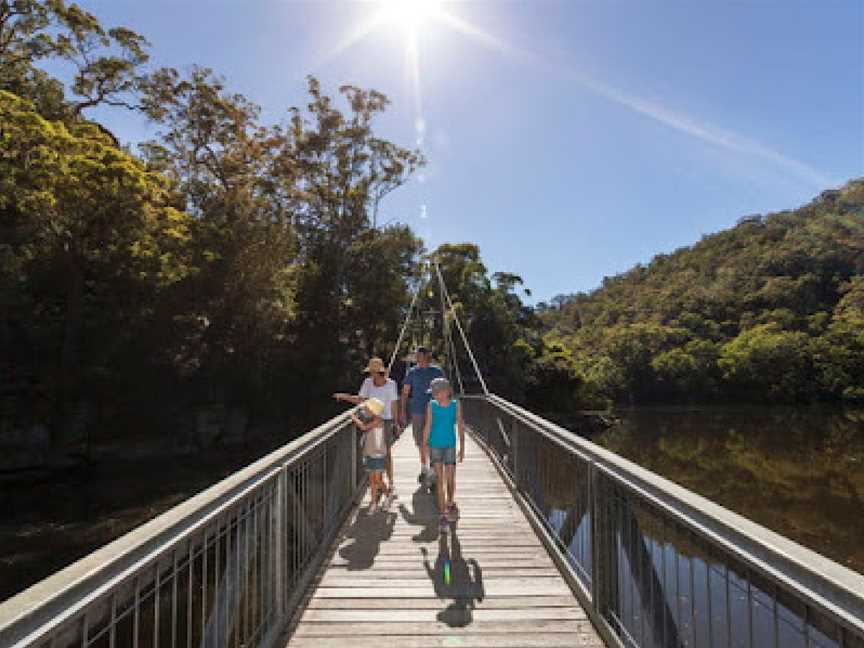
87,223
107,60
768,362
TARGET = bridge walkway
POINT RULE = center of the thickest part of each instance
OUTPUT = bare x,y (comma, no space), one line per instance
384,583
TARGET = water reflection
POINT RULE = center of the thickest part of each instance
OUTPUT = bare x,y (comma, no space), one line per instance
799,472
672,592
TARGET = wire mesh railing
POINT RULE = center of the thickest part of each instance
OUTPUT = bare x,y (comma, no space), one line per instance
226,568
658,566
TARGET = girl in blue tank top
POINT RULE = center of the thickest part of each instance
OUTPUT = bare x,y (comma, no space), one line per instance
443,419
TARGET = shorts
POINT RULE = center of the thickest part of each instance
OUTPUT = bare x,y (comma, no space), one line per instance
374,464
417,423
446,456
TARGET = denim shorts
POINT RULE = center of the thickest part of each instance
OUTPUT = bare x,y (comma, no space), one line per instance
446,456
374,463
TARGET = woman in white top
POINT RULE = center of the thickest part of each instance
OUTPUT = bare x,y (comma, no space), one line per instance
379,386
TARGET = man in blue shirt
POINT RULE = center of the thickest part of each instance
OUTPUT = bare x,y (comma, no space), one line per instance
415,396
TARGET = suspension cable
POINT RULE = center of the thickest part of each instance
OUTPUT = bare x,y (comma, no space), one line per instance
455,361
447,336
405,323
461,330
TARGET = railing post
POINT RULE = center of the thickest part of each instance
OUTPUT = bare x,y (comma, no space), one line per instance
600,570
515,440
281,545
353,439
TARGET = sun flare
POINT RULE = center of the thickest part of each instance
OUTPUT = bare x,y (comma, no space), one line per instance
410,14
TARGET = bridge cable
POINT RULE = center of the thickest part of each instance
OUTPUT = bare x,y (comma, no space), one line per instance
447,334
461,330
406,322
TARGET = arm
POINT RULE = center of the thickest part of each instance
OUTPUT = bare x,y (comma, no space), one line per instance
426,426
394,414
365,427
361,396
403,402
394,402
348,398
460,426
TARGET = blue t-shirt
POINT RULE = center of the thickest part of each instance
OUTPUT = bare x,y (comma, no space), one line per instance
442,429
419,379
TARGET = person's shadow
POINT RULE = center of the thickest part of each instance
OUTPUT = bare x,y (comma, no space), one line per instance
368,532
424,514
456,579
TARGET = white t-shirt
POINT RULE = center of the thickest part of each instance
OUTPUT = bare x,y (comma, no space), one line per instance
386,393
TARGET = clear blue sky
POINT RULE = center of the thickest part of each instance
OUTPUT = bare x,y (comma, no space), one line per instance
572,139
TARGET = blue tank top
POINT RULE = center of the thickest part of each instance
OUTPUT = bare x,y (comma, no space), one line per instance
442,430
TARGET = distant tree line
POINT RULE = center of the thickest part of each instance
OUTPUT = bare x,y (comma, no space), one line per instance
771,310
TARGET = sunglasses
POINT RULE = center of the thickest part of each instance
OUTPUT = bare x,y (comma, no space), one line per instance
382,373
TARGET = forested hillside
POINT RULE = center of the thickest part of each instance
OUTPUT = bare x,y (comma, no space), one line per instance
769,310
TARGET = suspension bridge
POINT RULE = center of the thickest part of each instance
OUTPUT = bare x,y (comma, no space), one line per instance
560,543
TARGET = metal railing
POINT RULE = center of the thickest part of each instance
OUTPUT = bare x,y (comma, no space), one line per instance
656,565
227,567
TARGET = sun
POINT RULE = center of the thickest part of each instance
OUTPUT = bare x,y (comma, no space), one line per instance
410,14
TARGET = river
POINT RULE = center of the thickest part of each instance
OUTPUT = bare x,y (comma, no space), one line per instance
797,471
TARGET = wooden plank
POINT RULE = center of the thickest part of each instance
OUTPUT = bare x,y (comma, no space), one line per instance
409,563
499,582
514,640
407,628
585,639
553,588
373,573
434,603
384,615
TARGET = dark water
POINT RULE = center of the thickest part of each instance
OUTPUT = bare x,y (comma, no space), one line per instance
799,472
48,524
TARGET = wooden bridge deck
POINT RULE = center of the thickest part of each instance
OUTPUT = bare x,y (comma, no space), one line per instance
384,583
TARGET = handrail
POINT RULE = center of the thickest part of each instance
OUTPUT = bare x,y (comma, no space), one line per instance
42,610
824,585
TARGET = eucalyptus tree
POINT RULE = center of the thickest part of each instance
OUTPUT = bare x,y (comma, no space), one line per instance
107,62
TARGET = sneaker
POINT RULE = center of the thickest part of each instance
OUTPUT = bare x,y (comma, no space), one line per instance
373,508
443,524
388,500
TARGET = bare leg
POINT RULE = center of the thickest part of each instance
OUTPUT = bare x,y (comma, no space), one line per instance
417,423
373,486
451,484
439,473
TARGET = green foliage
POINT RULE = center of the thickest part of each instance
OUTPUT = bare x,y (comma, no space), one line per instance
106,60
767,310
769,363
90,236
